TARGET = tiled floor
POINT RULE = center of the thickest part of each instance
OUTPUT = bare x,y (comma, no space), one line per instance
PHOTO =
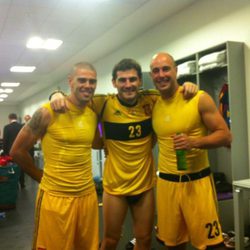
16,229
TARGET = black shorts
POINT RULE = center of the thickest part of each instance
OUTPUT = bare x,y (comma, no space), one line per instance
133,199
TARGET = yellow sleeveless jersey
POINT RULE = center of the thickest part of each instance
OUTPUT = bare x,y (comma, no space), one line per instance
178,115
129,166
67,151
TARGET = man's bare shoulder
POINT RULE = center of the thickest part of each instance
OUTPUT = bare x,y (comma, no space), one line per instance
39,121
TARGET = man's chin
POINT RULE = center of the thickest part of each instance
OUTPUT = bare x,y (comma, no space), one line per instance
130,97
84,102
162,87
86,97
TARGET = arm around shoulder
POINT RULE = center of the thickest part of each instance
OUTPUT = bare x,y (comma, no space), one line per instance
58,101
98,139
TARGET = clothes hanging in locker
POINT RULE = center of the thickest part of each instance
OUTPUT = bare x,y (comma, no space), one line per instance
224,104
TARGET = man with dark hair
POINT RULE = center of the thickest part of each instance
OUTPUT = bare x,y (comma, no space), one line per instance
129,173
10,133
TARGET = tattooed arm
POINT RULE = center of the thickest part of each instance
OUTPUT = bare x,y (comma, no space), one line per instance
27,137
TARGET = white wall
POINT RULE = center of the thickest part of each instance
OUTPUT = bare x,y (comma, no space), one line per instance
205,24
31,104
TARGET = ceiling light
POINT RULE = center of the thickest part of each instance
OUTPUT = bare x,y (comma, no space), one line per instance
35,43
1,99
8,91
52,44
24,69
39,43
10,84
3,95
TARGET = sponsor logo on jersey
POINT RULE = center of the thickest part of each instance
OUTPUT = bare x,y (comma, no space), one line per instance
132,112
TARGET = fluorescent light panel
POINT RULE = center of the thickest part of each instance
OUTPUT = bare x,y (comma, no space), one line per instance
39,43
23,69
34,43
52,44
1,99
6,90
3,95
10,84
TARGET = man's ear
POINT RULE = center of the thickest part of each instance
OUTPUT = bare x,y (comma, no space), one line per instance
70,80
140,82
150,73
114,83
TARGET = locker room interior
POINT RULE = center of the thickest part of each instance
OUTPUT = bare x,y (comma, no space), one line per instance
103,32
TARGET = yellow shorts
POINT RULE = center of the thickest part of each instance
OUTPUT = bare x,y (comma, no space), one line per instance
187,211
68,223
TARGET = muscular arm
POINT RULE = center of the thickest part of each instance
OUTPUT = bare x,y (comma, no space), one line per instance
26,139
219,133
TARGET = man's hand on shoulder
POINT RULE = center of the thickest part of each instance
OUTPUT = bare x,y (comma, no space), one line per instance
58,102
189,90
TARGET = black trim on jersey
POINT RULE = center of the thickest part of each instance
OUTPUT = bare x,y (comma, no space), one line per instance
128,131
125,103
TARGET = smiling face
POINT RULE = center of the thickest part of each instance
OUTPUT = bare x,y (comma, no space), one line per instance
163,73
127,84
83,84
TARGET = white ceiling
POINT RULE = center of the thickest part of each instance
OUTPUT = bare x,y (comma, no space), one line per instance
90,29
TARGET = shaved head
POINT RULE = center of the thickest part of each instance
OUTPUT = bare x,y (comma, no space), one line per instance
82,65
163,71
161,56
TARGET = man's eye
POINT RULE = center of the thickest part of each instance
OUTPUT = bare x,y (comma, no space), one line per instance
84,80
165,69
156,70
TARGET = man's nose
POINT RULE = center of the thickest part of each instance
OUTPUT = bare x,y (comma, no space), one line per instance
87,84
161,73
127,82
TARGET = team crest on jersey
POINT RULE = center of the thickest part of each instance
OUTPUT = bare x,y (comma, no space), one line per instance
117,113
132,112
147,109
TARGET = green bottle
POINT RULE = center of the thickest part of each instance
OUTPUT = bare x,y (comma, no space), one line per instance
181,159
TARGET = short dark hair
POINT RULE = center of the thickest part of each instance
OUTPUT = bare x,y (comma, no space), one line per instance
12,116
126,64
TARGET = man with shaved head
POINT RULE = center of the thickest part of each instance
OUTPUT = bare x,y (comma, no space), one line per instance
186,199
66,208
